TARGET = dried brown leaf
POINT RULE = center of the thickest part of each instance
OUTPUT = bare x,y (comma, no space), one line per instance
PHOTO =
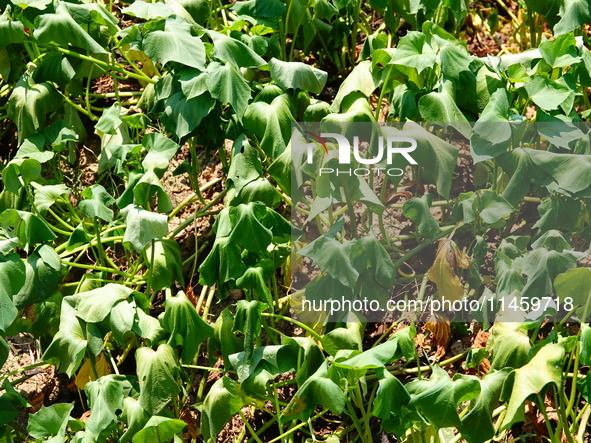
440,329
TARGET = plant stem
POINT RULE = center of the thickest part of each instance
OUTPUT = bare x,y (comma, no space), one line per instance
97,268
295,428
311,331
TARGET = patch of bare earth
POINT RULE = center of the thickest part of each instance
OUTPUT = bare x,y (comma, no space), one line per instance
211,181
38,385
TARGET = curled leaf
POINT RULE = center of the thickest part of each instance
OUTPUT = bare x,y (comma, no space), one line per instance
440,328
442,272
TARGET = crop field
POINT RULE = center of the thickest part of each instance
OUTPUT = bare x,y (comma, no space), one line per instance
295,221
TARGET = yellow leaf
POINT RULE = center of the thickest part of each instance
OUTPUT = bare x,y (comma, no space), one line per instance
442,272
86,374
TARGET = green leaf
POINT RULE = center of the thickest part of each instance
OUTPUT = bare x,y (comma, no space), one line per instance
257,190
477,426
246,165
186,327
8,312
36,4
316,111
223,263
491,207
404,103
10,402
175,44
542,266
280,170
20,172
265,363
94,306
159,429
400,345
529,380
110,121
355,108
30,103
360,79
523,172
157,373
167,266
4,352
561,51
509,345
414,52
585,355
391,397
222,402
143,226
60,28
418,210
309,356
247,229
96,202
318,389
50,421
571,172
105,397
46,196
255,278
297,75
161,150
233,51
193,82
455,61
439,397
552,240
134,416
350,337
271,124
10,31
248,322
226,84
573,14
373,263
492,131
43,268
148,186
182,115
33,147
557,211
257,9
440,156
546,93
224,339
575,284
69,344
566,172
121,319
441,107
5,65
147,327
148,11
12,274
333,257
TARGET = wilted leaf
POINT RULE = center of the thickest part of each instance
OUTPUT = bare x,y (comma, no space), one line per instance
186,327
157,373
544,369
442,272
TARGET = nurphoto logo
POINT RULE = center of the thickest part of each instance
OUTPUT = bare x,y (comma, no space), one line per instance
387,148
